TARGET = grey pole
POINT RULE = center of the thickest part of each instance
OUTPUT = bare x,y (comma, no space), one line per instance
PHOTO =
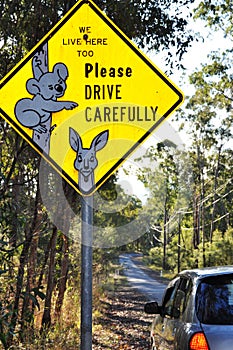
86,272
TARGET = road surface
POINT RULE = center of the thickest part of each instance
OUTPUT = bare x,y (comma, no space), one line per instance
152,289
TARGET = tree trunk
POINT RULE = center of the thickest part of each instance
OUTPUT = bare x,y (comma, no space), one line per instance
46,320
165,234
22,263
202,216
196,222
216,174
28,305
63,277
66,218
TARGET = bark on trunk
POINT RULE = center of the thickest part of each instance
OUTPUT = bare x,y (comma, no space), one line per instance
46,320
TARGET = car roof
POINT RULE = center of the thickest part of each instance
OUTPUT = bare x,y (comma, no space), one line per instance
207,271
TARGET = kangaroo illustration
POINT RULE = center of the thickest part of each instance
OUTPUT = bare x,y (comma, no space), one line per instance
86,161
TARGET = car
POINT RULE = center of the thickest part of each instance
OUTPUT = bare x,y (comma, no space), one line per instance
196,311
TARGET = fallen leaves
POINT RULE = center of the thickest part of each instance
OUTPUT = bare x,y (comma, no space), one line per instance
124,325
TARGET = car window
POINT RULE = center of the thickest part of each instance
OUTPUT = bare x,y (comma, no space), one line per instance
188,291
182,295
175,304
169,297
170,291
214,300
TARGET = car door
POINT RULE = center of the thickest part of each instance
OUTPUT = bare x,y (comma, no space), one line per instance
159,325
173,311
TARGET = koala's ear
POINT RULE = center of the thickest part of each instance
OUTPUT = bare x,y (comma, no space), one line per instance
61,70
33,86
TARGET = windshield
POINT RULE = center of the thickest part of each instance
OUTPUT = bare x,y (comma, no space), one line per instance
214,300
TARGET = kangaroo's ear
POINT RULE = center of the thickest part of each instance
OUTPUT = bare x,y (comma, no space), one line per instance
75,140
61,70
100,140
33,86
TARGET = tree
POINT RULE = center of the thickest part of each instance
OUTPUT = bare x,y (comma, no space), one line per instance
167,179
155,25
208,114
217,14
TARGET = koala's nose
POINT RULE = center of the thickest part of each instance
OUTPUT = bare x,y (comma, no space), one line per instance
58,88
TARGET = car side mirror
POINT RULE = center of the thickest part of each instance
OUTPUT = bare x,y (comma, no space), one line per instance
152,308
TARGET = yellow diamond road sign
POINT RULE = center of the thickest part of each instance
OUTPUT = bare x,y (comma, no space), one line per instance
86,97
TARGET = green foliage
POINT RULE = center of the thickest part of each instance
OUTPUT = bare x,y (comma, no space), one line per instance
17,33
156,256
33,295
154,24
217,14
220,251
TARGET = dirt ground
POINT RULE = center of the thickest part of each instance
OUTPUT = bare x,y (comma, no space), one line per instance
123,324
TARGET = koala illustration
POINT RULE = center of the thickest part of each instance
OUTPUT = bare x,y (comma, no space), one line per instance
46,87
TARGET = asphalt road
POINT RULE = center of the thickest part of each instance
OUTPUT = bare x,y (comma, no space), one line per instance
152,289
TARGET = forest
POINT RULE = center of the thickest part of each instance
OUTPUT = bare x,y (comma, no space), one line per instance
186,220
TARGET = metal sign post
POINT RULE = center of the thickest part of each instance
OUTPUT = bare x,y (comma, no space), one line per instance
86,272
